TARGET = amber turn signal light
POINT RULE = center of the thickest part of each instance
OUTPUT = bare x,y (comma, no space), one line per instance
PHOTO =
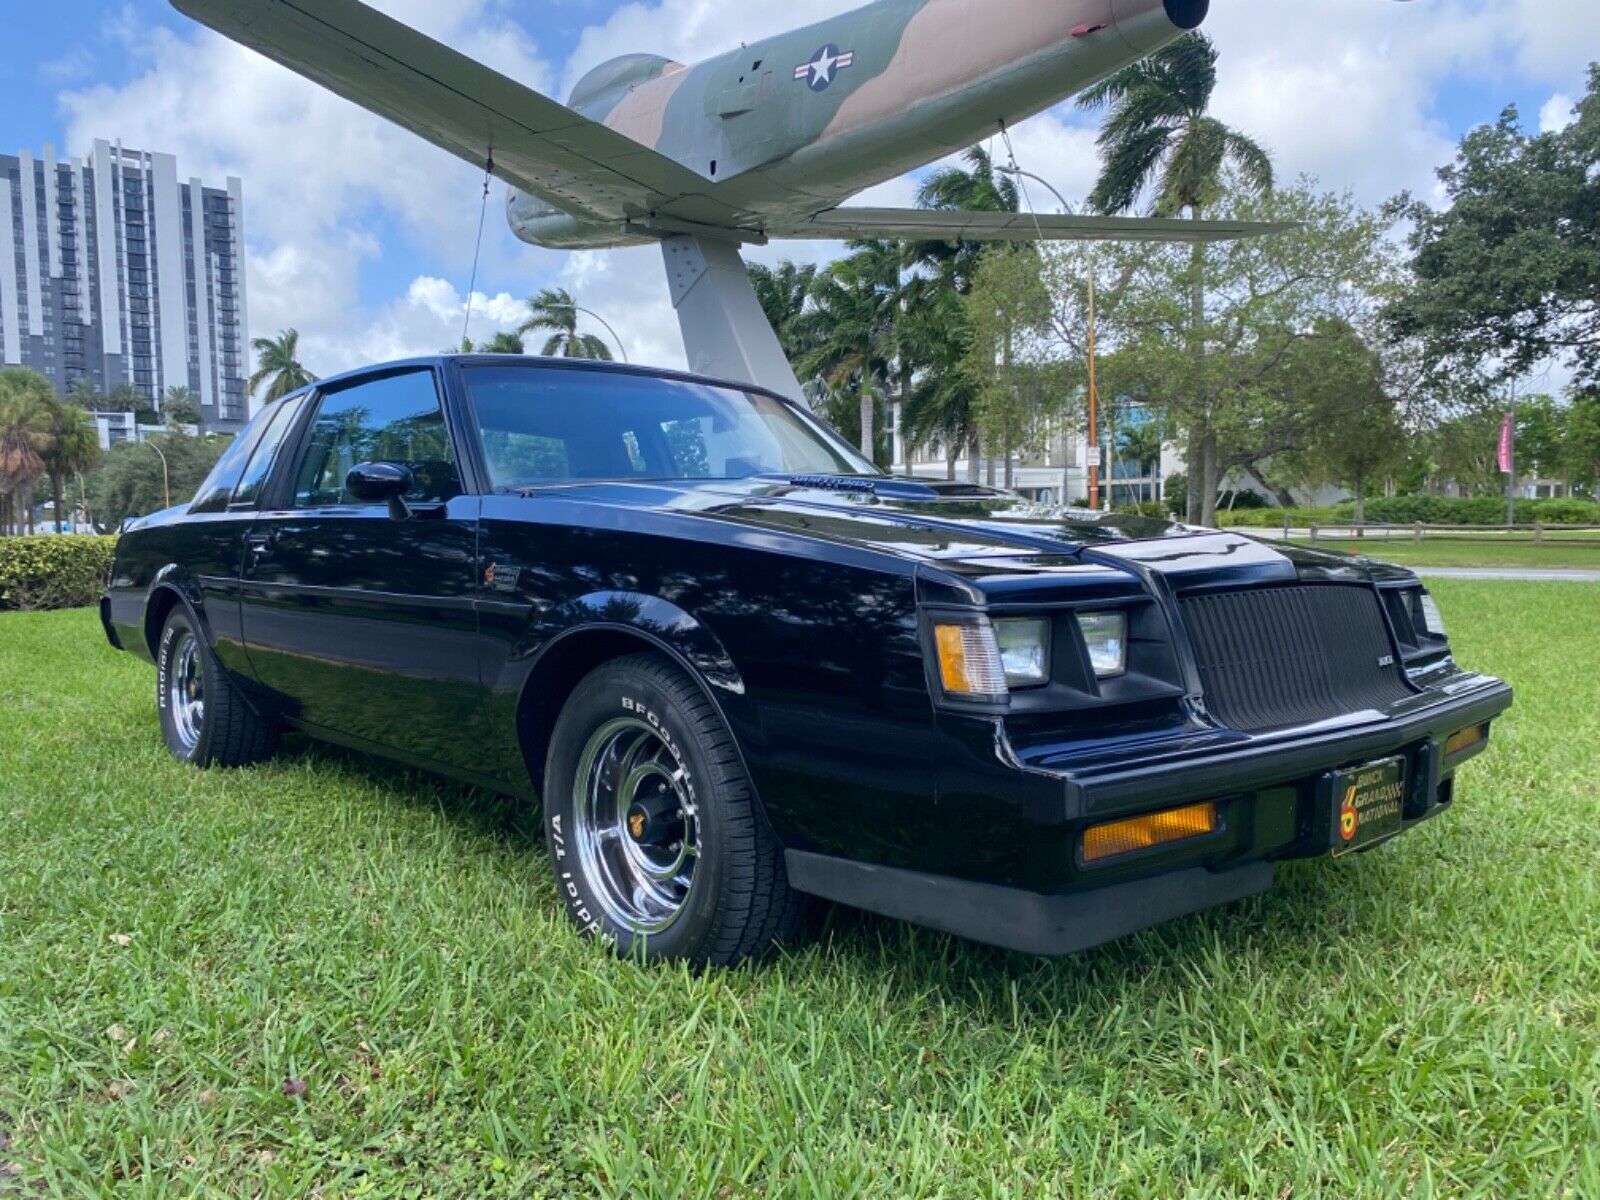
969,661
1466,740
1158,829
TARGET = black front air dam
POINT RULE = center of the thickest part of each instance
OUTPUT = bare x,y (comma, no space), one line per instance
1018,919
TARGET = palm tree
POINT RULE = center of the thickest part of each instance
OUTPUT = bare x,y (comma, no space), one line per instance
81,393
278,366
1142,444
934,335
953,393
979,188
179,408
783,291
504,342
856,302
553,310
73,448
1158,137
25,399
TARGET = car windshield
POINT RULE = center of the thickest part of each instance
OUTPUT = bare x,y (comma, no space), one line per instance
549,425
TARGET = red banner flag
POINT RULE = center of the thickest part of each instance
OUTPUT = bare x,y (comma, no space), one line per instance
1505,446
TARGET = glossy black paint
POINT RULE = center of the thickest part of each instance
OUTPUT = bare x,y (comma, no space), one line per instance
450,638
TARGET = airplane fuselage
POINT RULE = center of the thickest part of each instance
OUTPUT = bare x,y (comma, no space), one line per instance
800,122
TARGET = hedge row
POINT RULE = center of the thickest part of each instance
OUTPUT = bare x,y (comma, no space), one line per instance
1273,518
1475,510
53,571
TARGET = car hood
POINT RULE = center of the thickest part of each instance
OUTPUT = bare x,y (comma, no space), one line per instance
974,530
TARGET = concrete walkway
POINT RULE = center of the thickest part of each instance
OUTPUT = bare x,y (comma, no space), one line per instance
1541,574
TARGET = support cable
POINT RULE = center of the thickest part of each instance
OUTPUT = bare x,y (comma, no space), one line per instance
477,249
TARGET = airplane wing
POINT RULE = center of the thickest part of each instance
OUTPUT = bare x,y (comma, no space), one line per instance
460,105
934,225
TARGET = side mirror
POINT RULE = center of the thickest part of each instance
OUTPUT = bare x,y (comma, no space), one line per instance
378,482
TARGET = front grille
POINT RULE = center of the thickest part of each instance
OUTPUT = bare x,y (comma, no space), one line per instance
1279,656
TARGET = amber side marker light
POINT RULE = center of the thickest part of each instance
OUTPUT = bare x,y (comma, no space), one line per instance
1465,740
1158,829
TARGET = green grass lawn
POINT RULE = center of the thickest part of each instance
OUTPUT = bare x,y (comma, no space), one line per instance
1483,551
175,946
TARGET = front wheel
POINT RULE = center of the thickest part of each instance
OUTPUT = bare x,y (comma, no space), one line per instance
654,832
204,719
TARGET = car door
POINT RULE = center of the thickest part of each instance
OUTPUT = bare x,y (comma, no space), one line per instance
362,624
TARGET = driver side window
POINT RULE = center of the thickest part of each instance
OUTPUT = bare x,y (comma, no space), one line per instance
396,419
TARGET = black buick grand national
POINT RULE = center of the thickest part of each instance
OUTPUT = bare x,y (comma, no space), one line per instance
741,667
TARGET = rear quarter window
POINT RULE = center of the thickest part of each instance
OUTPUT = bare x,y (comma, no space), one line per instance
254,479
216,492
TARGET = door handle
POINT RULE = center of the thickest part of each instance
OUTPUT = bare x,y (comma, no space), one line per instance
260,545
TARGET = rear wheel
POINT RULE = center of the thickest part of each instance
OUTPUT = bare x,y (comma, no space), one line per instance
654,832
204,718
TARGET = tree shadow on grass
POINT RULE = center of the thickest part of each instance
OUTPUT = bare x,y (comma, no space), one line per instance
499,820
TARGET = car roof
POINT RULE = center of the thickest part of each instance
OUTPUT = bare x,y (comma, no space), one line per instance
539,362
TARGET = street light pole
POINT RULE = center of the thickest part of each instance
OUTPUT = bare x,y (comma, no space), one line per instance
1094,383
166,477
588,312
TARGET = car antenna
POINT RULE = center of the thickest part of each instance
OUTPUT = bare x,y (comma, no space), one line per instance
483,208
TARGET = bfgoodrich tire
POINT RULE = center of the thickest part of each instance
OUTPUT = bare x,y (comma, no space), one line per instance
204,719
656,839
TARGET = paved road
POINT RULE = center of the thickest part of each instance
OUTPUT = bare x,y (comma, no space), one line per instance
1524,573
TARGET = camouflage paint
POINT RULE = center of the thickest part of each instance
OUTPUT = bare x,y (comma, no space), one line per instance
927,78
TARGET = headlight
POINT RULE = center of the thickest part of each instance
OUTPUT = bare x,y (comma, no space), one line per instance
969,661
1432,619
1024,651
1106,636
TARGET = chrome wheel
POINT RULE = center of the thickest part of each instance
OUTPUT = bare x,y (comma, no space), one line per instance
186,691
635,825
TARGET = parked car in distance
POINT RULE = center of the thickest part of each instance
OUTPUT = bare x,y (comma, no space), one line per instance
741,667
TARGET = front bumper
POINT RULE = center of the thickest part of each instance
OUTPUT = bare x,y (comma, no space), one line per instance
1275,793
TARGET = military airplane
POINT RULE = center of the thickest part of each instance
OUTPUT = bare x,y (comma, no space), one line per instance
765,141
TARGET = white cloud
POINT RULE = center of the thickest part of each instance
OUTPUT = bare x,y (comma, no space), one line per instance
1343,89
1557,113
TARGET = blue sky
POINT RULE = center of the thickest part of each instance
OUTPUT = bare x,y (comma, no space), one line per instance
362,236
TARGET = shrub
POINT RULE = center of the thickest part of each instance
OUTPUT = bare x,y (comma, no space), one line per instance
53,571
1273,518
1145,508
1470,510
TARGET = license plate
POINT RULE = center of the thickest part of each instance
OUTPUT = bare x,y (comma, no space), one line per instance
1368,805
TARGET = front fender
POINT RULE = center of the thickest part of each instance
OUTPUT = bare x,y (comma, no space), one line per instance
558,646
658,621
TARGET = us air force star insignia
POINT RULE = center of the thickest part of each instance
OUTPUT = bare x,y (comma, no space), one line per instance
819,72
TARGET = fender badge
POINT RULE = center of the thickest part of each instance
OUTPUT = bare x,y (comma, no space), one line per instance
501,577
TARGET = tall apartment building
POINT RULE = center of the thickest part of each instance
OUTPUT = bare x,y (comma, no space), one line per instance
120,272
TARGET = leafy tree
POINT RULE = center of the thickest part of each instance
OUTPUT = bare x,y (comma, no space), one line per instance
179,407
1285,314
278,366
128,481
72,447
1509,273
1159,138
856,303
554,311
26,399
1006,308
1583,439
